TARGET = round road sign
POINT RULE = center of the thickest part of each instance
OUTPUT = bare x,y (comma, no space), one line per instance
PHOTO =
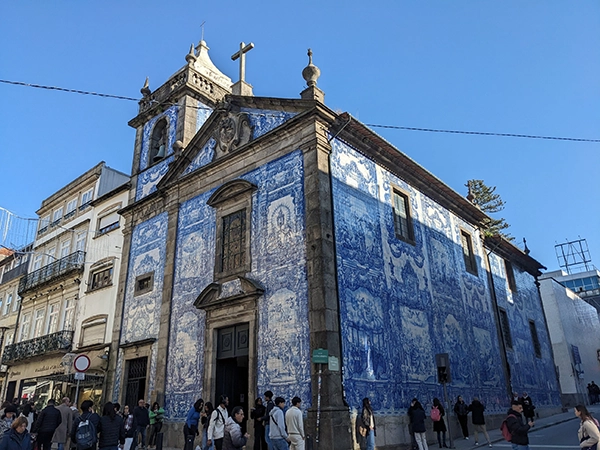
81,363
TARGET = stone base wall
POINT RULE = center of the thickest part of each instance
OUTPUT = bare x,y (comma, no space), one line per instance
392,431
572,400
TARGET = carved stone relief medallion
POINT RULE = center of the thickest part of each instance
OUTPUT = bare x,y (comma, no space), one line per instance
233,132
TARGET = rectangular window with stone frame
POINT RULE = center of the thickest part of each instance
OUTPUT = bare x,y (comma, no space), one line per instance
144,284
468,253
233,204
403,224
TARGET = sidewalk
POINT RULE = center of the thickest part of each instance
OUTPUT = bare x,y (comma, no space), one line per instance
540,424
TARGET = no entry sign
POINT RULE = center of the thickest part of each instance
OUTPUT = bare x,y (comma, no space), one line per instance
81,363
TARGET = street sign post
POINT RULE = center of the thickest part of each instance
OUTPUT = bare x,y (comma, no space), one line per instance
81,364
320,356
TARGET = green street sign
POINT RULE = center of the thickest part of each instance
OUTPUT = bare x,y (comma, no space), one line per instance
320,356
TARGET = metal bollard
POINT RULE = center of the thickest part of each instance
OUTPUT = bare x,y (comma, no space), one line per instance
159,441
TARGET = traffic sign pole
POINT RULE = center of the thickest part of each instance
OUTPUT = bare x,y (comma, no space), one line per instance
81,364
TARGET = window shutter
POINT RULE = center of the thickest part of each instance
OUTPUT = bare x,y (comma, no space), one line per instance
108,220
93,334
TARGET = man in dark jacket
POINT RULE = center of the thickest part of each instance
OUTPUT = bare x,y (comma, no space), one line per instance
87,413
266,419
141,419
416,413
46,424
477,408
517,427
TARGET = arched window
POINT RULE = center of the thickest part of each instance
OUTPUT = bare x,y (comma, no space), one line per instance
158,141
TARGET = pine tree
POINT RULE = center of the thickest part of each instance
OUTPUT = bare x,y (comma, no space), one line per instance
485,198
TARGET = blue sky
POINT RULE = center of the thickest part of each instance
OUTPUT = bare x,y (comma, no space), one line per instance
500,66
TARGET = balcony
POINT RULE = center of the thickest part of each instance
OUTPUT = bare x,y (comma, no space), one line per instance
13,273
52,272
60,342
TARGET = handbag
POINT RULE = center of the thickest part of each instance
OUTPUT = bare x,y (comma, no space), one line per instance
593,447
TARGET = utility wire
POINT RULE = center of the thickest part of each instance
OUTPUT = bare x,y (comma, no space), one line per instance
75,91
483,133
393,127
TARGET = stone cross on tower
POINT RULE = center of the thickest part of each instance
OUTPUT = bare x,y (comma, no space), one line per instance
241,87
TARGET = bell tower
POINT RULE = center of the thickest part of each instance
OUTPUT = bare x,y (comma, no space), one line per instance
169,117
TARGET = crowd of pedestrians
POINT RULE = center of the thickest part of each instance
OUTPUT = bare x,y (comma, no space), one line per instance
276,427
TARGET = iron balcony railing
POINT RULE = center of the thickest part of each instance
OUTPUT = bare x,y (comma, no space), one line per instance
60,342
13,273
50,272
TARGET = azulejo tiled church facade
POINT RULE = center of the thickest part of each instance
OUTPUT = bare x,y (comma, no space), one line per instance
259,229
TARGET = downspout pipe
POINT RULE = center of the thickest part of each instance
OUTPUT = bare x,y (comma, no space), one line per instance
503,352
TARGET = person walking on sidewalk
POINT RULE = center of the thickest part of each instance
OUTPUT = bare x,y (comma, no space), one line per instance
129,427
141,420
588,434
111,429
295,425
156,415
368,420
232,434
461,409
278,435
267,418
517,427
476,408
528,406
439,426
218,418
257,414
46,424
416,413
190,428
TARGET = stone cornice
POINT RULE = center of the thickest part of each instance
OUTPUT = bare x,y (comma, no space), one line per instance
507,250
92,174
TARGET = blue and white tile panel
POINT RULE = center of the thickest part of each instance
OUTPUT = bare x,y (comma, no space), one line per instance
141,314
278,263
401,303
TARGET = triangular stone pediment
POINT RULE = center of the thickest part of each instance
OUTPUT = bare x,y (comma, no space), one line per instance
238,290
235,123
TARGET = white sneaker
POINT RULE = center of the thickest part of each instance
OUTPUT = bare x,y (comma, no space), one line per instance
467,438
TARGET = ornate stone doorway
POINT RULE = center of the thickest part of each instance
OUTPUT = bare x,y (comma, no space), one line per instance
230,350
231,377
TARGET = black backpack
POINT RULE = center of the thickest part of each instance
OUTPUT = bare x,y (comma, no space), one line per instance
86,435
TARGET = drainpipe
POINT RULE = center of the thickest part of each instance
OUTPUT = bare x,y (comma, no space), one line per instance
503,353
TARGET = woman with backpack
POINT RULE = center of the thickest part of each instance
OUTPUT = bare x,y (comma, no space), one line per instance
416,413
461,409
588,433
439,425
111,429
